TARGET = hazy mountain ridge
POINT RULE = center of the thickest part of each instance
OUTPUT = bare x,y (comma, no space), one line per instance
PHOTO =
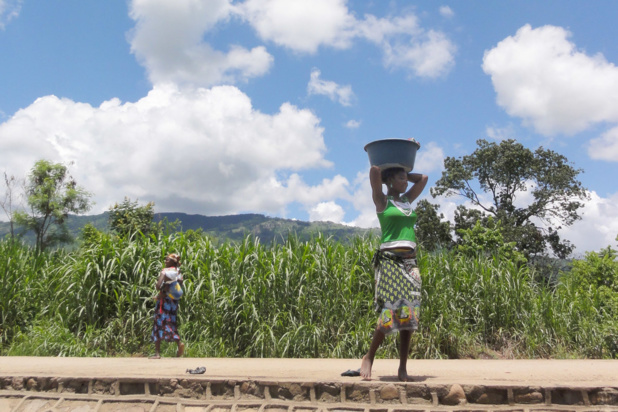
226,228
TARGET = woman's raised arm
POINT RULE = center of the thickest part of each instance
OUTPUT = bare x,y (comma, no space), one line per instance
379,198
419,182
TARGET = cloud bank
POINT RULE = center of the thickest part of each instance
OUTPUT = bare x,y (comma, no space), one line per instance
168,38
167,41
195,142
205,151
541,77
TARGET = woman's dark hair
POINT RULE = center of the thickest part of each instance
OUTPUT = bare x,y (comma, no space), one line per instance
390,172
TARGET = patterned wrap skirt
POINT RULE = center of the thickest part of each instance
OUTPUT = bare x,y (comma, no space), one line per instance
398,291
165,320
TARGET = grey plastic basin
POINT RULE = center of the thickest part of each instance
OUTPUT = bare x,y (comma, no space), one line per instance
388,153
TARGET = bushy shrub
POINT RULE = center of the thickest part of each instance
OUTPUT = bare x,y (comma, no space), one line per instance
487,240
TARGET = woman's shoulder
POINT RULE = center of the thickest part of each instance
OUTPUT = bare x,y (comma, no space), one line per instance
170,272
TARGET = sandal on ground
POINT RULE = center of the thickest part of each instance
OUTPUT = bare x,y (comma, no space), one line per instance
198,370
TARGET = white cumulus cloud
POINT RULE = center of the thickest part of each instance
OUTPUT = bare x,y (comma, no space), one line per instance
447,12
9,9
598,227
353,124
431,55
605,147
300,25
429,159
500,133
326,212
335,92
167,40
203,151
362,201
542,78
306,25
406,45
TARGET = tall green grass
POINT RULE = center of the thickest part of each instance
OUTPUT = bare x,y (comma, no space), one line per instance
21,286
289,299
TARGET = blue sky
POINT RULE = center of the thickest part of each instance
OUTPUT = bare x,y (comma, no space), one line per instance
222,107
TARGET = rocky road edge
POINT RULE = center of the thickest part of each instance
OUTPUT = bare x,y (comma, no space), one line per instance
375,395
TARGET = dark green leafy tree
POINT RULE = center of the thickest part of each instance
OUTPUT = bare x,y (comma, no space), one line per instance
90,235
432,230
129,218
466,218
530,238
488,240
51,194
504,170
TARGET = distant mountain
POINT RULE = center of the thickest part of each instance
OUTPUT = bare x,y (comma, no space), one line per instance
236,227
228,228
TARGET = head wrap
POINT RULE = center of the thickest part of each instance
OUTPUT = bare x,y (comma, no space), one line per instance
174,257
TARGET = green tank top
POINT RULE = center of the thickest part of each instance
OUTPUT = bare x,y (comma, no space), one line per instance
397,223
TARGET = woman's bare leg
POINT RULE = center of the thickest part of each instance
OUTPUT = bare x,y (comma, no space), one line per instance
404,347
157,354
376,341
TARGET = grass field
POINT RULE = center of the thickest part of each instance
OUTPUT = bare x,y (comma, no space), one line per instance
292,299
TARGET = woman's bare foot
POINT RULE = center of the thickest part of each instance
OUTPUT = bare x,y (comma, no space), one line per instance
365,371
403,375
181,349
157,356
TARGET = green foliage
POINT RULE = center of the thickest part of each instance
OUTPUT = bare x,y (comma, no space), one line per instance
502,171
52,338
128,218
21,289
287,299
433,232
597,275
91,235
597,270
487,241
466,218
51,195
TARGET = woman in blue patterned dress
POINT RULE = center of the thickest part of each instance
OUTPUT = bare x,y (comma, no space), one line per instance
398,281
166,309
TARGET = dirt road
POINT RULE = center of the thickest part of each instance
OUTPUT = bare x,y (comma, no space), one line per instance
570,373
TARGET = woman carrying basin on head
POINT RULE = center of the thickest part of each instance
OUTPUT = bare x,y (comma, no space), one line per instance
398,281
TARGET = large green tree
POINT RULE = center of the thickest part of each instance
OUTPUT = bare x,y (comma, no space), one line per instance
499,172
128,218
51,194
432,230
